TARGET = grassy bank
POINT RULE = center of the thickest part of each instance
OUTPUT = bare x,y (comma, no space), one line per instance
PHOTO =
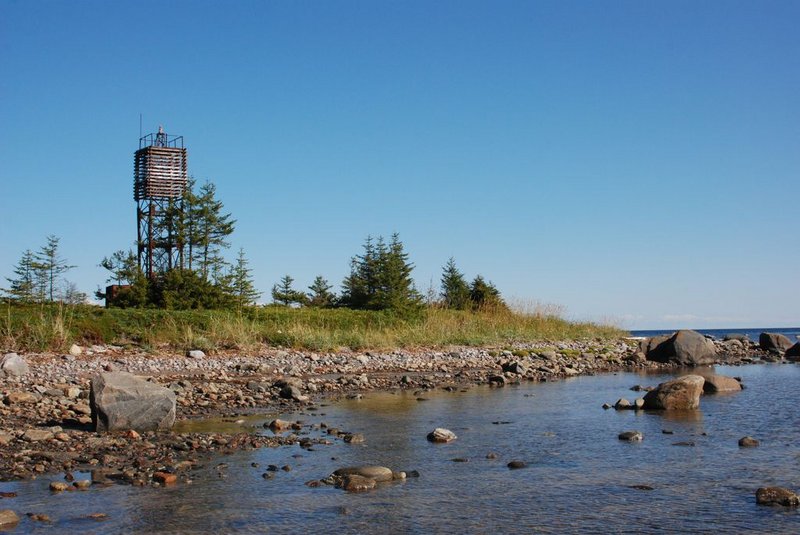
56,327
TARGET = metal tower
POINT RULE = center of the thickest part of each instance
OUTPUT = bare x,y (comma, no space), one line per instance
159,181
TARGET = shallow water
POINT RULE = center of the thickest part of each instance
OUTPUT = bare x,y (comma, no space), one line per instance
578,476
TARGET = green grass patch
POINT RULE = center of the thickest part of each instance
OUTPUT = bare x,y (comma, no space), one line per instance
54,327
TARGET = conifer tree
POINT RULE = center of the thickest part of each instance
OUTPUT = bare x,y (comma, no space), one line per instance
244,291
123,265
358,288
210,229
380,278
455,290
395,286
285,294
49,267
484,295
23,286
320,295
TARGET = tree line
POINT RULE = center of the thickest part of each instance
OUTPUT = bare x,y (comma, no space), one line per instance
379,278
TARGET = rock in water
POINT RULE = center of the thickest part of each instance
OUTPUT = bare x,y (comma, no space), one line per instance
679,394
441,435
776,496
631,436
687,348
356,483
774,342
121,401
720,383
377,473
793,353
748,442
13,364
8,519
279,425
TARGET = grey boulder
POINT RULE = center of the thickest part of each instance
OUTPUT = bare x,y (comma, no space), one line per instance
687,348
13,364
122,401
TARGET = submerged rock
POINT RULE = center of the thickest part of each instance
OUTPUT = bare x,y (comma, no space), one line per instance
679,394
748,442
720,383
441,435
631,436
378,473
122,401
687,348
356,483
776,496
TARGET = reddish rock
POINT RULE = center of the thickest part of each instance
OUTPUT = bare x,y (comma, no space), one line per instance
165,478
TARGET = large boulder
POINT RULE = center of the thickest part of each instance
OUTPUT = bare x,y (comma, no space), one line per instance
774,342
13,364
793,353
121,401
687,348
720,383
679,394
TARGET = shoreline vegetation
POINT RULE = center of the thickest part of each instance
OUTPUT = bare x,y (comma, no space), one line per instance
54,327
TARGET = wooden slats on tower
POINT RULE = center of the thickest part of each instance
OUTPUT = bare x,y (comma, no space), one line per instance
159,173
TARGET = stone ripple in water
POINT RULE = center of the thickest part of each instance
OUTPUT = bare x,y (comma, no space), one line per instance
578,477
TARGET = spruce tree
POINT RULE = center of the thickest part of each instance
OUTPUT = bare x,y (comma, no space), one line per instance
50,266
358,288
455,290
244,291
285,294
210,229
320,295
484,295
380,278
23,286
395,286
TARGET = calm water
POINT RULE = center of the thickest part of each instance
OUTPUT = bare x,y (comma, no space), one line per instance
577,481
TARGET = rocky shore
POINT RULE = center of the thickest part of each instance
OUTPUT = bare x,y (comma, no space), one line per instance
46,420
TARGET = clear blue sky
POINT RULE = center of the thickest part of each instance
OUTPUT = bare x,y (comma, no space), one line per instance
631,161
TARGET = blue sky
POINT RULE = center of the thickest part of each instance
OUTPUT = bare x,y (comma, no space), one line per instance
635,162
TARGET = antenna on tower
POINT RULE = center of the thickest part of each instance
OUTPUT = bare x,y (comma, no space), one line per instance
140,126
